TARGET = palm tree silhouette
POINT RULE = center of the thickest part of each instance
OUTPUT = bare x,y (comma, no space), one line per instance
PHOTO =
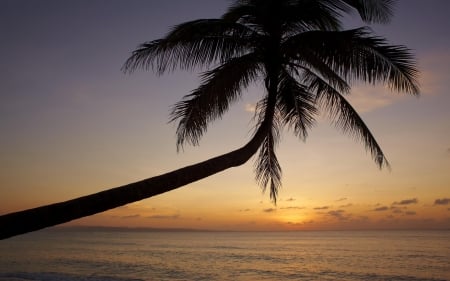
307,63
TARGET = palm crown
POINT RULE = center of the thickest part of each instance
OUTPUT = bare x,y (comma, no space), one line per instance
299,50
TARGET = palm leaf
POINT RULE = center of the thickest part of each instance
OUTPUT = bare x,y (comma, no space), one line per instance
296,105
354,54
193,44
296,15
372,11
267,168
220,87
345,117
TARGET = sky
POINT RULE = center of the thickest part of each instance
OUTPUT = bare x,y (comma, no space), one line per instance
72,123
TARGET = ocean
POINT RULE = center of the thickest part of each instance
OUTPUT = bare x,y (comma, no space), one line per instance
101,255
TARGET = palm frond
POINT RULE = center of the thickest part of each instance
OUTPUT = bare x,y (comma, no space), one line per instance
296,15
300,16
240,11
372,11
304,61
296,105
354,54
346,118
193,44
220,87
267,168
310,66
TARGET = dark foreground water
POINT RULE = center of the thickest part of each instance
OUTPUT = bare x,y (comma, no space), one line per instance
125,256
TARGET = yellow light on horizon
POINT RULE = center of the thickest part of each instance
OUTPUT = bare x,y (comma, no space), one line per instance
292,218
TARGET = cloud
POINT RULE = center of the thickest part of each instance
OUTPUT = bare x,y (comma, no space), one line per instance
336,213
244,210
339,214
293,208
269,210
159,217
322,208
346,205
367,98
341,199
443,201
363,218
381,209
130,217
410,213
433,75
406,202
250,107
300,223
290,199
396,210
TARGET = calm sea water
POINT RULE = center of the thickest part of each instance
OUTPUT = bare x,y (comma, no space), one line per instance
126,256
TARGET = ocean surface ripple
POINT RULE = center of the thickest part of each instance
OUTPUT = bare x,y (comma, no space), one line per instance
75,255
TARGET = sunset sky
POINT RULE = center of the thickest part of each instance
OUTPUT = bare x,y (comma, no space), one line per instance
72,124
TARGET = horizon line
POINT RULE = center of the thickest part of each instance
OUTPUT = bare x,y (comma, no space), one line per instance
180,229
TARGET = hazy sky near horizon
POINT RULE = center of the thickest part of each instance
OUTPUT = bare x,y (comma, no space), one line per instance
72,124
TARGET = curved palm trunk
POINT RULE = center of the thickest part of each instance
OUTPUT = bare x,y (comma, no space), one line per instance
34,219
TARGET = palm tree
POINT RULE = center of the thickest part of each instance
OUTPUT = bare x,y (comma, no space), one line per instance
307,63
